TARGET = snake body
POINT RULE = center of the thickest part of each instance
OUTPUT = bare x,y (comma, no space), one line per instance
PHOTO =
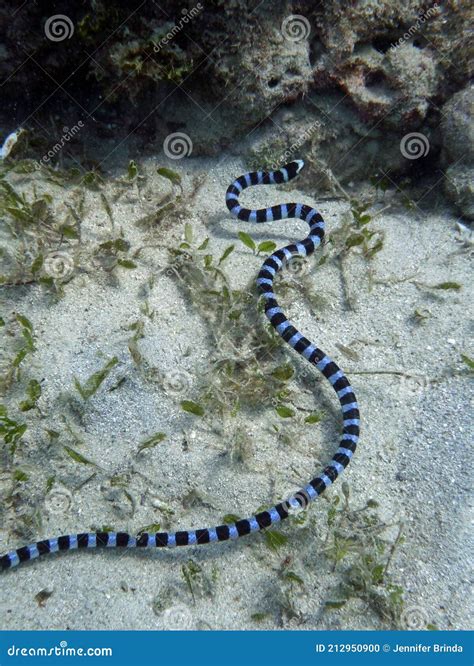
350,412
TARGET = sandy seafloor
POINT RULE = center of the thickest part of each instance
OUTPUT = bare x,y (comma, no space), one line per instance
413,459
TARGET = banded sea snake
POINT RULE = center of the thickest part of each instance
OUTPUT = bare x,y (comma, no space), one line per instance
300,344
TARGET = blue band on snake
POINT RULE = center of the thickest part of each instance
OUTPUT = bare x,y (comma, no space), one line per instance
350,412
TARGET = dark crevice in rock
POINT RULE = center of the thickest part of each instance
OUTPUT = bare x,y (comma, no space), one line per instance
374,79
382,44
273,82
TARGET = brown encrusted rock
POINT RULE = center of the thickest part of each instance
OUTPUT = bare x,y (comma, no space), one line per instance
457,127
391,58
415,79
393,88
256,68
458,150
340,25
451,40
459,186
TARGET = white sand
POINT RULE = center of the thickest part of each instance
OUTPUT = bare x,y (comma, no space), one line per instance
413,456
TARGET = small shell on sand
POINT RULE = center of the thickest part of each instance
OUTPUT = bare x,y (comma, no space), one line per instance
9,142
